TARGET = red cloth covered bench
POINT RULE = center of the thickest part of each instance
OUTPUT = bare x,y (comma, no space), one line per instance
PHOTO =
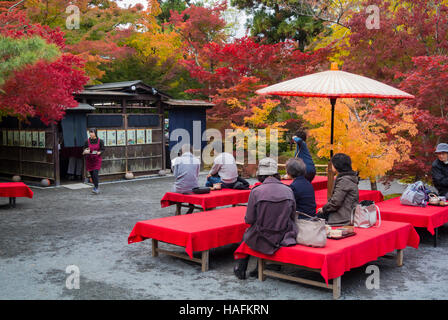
225,197
13,190
338,256
195,232
429,217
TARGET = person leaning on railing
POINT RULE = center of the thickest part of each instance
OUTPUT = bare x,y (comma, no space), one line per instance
303,153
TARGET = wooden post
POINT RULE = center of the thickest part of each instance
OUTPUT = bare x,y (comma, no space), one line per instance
178,209
330,183
204,260
162,120
155,247
336,288
399,257
57,178
261,265
125,116
436,233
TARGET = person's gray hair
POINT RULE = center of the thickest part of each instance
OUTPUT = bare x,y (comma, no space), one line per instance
295,167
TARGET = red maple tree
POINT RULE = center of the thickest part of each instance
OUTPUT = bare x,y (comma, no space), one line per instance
44,89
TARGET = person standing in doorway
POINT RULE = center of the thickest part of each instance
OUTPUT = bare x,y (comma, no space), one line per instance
93,148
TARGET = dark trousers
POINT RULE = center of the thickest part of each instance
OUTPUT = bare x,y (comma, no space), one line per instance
95,177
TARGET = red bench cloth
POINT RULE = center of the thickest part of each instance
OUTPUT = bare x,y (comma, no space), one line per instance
225,197
429,217
339,256
216,198
319,182
15,190
196,232
374,195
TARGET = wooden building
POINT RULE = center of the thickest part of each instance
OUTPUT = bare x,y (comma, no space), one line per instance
129,116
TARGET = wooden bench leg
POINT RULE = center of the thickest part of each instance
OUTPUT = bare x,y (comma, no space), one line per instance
336,288
178,209
400,257
155,247
436,234
261,266
204,260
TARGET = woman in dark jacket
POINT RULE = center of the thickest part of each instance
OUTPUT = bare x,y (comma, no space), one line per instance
345,194
303,189
271,212
93,148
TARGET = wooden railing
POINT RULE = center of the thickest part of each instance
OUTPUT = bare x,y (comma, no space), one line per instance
321,169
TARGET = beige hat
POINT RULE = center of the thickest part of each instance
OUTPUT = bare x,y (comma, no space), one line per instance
267,167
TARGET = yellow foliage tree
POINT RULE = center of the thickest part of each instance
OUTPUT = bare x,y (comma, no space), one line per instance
163,43
261,118
373,143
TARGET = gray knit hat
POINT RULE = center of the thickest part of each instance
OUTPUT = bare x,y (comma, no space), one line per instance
442,147
267,167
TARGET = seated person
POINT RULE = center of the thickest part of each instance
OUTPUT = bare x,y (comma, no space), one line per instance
439,170
271,212
345,194
225,171
186,172
303,189
303,153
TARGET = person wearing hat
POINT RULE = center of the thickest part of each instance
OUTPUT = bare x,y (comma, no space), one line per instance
93,148
271,212
345,196
439,169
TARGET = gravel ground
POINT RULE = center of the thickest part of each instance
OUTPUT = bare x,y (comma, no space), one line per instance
61,227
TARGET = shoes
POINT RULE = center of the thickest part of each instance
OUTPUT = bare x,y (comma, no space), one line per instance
240,274
95,190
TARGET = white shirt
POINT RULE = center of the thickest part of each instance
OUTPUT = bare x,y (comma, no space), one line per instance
225,165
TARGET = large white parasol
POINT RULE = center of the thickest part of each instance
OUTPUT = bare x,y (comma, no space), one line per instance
334,84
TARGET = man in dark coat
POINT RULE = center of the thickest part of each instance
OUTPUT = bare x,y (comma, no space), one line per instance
439,170
271,212
345,194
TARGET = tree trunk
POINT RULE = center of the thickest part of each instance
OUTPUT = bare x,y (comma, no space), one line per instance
373,185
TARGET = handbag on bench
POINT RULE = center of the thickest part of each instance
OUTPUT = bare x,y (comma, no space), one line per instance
311,232
201,190
364,215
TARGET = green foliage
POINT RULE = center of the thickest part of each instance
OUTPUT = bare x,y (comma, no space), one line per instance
172,83
167,5
16,54
274,24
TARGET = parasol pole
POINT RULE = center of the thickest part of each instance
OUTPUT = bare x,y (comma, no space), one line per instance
330,172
